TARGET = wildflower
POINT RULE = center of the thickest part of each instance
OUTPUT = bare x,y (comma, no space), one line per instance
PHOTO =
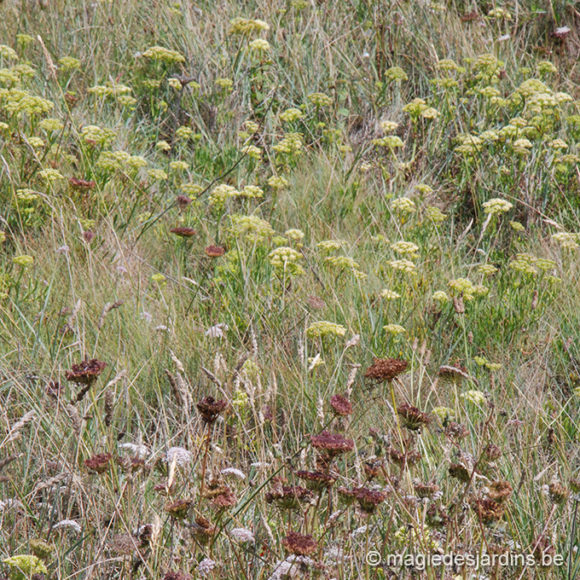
210,409
456,430
157,174
487,510
320,99
99,463
50,175
68,63
389,294
325,328
214,251
316,480
8,53
567,240
443,414
396,74
291,115
178,455
369,499
202,530
435,215
285,260
67,524
388,126
403,265
26,565
233,472
301,545
259,45
178,166
403,205
499,491
277,182
441,296
162,54
287,497
341,405
425,490
158,278
412,417
242,535
394,329
179,509
85,372
497,206
405,248
331,444
24,260
460,472
475,397
487,269
558,493
385,369
183,232
247,26
81,184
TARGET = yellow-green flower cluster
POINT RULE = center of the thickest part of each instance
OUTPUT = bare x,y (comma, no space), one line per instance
403,265
330,245
291,115
277,182
259,46
341,263
394,329
50,175
286,261
24,260
250,227
567,240
325,328
68,63
291,144
19,102
405,248
396,74
403,205
524,263
8,53
388,141
247,26
320,99
465,287
159,53
497,206
95,135
389,294
435,215
475,397
483,362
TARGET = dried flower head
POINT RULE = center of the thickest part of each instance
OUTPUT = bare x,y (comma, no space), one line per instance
331,444
299,544
413,419
369,499
487,510
214,251
424,490
341,405
317,480
183,232
99,463
460,472
86,372
385,369
456,430
558,493
499,491
202,530
179,508
210,409
287,496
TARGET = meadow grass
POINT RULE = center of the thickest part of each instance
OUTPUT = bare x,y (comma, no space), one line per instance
286,283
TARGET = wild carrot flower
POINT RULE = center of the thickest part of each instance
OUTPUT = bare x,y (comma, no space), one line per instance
412,417
86,372
299,544
210,409
385,369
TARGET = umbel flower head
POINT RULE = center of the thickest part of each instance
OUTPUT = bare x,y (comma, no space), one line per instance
86,372
299,544
287,496
99,463
332,444
209,409
341,405
412,418
385,369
